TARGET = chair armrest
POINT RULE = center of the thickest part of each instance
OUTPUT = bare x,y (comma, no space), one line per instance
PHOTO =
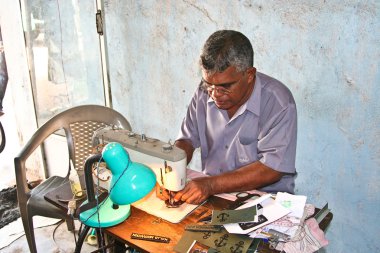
21,182
20,160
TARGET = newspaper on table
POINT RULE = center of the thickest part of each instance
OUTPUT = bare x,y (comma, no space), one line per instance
288,224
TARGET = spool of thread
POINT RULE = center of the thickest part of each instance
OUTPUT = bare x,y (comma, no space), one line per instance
91,238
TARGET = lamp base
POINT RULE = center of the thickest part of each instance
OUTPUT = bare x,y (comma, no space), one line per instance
107,215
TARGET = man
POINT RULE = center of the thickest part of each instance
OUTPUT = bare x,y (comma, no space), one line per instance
244,122
3,74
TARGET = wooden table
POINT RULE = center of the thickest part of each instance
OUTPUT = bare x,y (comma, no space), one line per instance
144,223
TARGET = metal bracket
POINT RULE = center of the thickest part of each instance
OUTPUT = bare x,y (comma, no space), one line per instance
99,22
322,213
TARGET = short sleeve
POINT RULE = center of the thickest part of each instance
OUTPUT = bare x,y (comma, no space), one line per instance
278,139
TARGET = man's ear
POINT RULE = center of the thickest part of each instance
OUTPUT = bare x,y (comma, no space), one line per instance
251,74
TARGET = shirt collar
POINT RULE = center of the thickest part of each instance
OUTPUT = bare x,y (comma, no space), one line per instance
253,103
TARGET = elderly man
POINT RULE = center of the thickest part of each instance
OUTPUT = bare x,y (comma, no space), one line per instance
243,121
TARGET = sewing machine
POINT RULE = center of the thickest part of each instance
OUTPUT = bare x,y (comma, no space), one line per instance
166,160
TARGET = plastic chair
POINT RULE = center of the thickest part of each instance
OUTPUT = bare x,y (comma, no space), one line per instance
79,124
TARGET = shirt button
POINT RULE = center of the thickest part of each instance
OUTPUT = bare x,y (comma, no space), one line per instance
226,146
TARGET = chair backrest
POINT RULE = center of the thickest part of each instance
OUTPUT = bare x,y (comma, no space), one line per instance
78,124
81,136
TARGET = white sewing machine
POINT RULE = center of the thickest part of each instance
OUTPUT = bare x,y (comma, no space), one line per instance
166,160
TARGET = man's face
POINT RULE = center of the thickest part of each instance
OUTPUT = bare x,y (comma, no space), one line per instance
229,89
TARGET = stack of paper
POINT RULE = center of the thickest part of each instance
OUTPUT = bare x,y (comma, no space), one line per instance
288,224
267,211
262,216
246,224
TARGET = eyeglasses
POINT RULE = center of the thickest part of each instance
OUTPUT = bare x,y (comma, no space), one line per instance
224,88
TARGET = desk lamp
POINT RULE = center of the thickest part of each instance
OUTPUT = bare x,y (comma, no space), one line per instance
130,182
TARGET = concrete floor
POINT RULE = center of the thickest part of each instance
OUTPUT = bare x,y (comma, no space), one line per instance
54,238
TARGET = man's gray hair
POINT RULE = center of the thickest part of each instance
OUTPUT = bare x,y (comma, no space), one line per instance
226,48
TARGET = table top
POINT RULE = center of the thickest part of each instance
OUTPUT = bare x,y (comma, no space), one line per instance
144,223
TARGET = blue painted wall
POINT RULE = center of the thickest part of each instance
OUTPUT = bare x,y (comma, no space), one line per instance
326,52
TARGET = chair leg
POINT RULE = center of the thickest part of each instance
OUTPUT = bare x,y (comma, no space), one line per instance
27,222
70,224
81,237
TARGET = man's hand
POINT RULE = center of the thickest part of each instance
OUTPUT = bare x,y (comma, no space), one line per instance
249,177
196,191
161,192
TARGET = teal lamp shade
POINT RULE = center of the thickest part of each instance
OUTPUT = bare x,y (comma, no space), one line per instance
130,181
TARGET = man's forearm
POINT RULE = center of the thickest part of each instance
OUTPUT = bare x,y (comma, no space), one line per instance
249,177
187,147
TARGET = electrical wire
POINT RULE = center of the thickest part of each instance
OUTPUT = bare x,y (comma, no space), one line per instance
109,193
75,238
55,229
61,41
61,52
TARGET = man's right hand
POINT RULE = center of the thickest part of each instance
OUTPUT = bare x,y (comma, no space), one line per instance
196,191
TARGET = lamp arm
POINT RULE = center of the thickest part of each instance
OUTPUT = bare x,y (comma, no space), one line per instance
130,182
88,175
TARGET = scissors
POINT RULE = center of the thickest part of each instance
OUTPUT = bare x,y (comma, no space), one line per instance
241,197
